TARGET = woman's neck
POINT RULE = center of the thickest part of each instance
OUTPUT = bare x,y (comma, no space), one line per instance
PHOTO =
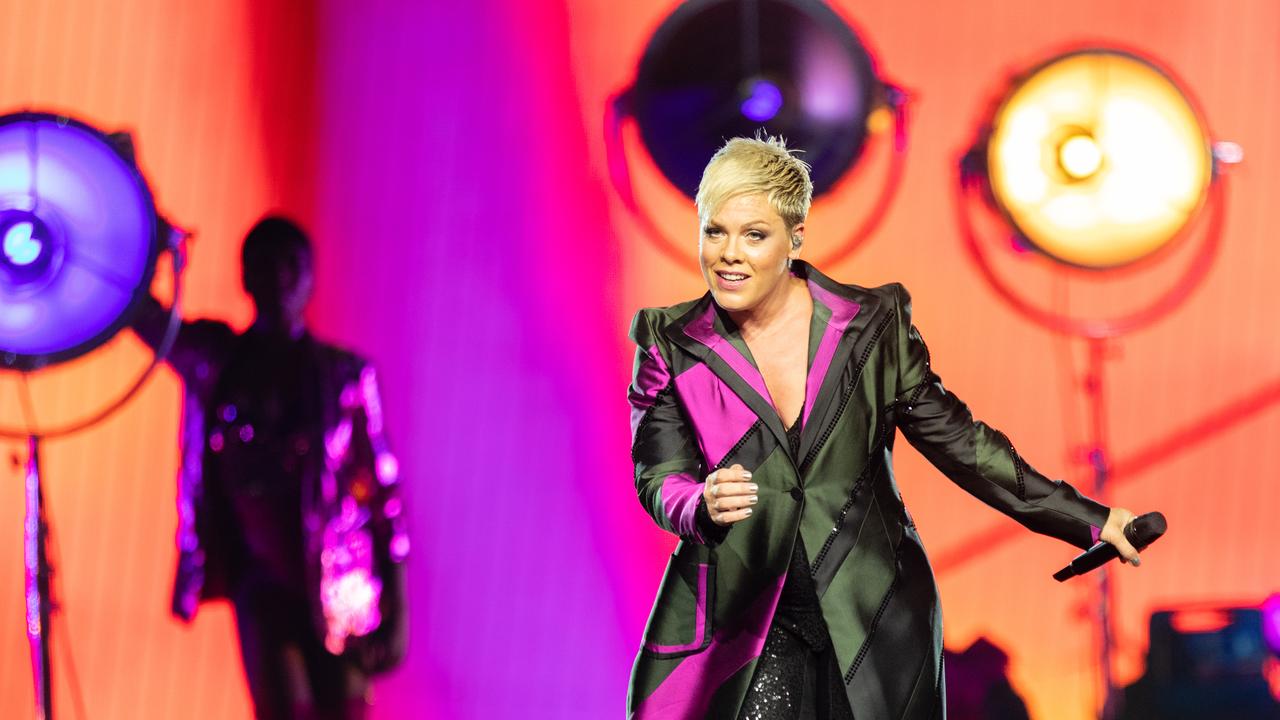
791,300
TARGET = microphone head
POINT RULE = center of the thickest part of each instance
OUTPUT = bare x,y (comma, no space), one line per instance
1145,529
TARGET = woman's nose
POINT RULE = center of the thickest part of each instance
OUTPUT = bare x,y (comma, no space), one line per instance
731,250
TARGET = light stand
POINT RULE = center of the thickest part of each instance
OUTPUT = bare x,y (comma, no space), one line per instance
38,576
72,203
1099,458
39,601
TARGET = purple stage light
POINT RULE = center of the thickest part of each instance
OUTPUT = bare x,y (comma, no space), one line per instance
1271,622
79,242
763,103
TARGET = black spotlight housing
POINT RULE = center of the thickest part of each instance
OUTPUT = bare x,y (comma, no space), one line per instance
717,69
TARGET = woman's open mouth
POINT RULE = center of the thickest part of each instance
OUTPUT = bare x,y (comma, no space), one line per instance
730,280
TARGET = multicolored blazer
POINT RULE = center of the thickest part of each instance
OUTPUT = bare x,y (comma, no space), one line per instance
699,403
353,521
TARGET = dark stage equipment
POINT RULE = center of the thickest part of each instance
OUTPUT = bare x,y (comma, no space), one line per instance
80,239
1097,162
978,686
1206,663
1271,623
717,69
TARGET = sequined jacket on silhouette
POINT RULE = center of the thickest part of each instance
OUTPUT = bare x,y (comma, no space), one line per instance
352,518
698,403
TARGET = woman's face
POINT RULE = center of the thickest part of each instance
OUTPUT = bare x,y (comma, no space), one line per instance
743,252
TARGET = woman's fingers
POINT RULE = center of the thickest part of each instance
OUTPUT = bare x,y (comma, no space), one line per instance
1113,532
726,481
733,473
734,489
730,518
729,495
736,502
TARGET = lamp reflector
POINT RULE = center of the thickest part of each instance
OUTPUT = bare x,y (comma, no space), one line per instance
1098,158
717,69
79,241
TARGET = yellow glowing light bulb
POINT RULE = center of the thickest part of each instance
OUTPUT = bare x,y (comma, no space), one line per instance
1079,156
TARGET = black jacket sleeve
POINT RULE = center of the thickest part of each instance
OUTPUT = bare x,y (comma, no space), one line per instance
976,456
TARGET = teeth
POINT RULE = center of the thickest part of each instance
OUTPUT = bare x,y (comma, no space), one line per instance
733,276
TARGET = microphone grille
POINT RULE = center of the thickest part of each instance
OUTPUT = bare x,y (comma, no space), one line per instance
1145,529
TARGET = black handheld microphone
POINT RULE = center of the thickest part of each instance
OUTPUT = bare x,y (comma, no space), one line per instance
1140,532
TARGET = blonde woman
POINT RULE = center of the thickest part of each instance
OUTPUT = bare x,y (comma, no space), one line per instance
763,422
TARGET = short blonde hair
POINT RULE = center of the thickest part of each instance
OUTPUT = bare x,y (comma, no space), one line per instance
762,164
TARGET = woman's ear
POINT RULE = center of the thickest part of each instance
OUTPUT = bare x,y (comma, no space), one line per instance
797,240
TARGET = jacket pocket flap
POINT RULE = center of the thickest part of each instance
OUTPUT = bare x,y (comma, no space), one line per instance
681,621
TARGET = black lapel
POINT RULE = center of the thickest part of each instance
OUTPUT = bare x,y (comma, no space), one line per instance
857,335
702,333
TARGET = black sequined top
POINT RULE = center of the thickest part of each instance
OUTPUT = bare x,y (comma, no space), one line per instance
798,608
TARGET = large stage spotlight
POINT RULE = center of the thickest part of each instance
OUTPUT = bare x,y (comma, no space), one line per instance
717,69
1097,158
79,239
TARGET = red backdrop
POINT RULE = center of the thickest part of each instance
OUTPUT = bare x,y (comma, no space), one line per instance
482,123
